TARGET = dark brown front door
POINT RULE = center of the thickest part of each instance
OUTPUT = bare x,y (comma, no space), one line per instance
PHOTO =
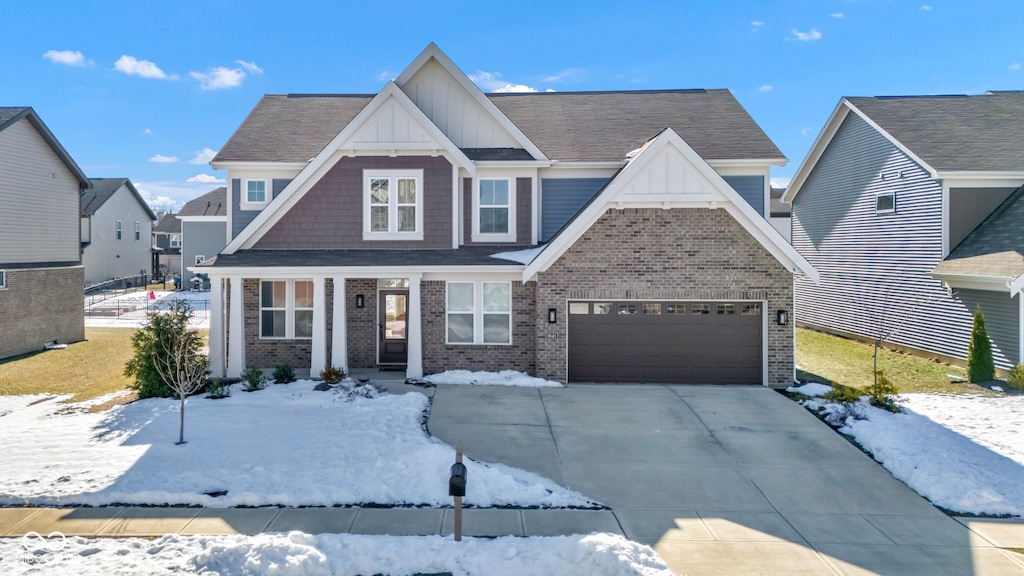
393,309
666,342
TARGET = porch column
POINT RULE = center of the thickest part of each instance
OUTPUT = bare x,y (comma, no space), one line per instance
414,364
318,355
339,334
236,330
217,328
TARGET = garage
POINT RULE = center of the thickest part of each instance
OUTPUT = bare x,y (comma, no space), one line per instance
673,342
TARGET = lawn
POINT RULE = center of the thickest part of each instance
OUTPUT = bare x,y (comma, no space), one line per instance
86,369
825,358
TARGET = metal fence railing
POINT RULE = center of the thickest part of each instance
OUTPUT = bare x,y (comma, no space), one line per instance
117,286
138,308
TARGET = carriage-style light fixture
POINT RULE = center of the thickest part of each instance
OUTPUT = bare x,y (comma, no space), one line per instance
552,315
781,317
360,301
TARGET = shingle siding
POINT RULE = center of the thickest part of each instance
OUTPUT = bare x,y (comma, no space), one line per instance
874,268
562,198
241,218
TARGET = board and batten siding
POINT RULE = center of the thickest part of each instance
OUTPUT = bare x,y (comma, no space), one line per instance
241,218
562,198
1002,321
39,212
875,268
750,188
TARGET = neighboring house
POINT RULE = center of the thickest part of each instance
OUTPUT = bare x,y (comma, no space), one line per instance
41,272
204,222
908,207
167,243
366,231
779,214
117,231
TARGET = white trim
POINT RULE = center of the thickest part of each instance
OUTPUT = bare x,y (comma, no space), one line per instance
138,230
393,176
216,338
414,331
977,282
339,326
945,218
223,218
533,164
318,351
236,330
290,309
199,259
885,193
511,271
3,279
457,194
982,179
1016,285
764,344
118,230
170,240
510,235
720,196
478,312
243,200
755,163
1020,328
432,51
293,167
325,160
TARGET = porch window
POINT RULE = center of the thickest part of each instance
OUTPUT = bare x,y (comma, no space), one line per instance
286,309
479,313
393,205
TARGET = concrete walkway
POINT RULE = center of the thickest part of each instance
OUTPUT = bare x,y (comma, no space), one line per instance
719,480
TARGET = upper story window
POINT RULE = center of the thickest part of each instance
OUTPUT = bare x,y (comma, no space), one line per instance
175,240
493,212
254,194
393,205
118,229
138,230
885,203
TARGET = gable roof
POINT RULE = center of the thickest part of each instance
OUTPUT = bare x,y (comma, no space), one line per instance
168,224
944,134
10,115
666,173
213,203
103,189
995,249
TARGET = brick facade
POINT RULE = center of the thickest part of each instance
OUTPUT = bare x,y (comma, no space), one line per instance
268,353
362,323
40,305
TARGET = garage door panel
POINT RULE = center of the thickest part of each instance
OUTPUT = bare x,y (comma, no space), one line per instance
671,342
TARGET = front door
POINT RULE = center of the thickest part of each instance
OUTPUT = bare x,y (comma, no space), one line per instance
394,306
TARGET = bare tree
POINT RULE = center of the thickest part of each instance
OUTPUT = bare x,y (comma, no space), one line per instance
183,368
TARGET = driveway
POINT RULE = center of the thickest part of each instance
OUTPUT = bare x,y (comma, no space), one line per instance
719,480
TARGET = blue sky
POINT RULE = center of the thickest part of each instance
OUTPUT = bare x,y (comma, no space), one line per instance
149,90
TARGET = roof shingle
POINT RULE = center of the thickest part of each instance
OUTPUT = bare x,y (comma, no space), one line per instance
213,203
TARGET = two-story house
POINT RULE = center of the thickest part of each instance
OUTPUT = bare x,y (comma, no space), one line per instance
585,237
908,208
41,272
167,245
117,231
204,226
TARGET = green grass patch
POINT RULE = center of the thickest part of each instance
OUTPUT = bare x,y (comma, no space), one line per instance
826,358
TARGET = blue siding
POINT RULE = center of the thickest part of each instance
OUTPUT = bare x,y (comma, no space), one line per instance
751,188
241,218
562,198
875,267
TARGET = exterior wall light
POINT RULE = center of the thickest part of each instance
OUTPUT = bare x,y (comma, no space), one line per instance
781,317
552,315
360,301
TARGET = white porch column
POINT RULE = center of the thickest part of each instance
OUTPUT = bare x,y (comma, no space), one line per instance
339,331
414,364
318,356
236,330
217,328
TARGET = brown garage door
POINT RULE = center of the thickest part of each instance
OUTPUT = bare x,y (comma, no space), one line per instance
665,342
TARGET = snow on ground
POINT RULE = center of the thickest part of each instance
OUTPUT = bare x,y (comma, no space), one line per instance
301,554
503,378
136,303
963,453
812,389
284,445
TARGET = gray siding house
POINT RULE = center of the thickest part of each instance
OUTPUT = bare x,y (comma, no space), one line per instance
582,237
41,272
204,223
167,245
117,231
904,205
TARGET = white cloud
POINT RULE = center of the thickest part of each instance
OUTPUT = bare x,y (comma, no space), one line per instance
756,25
131,66
219,78
806,130
161,159
837,15
158,201
926,8
780,182
516,88
386,75
1015,66
205,179
492,82
147,131
203,156
69,57
250,67
766,88
807,36
564,75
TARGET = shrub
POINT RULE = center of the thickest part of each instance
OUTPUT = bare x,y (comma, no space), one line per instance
253,379
217,389
843,394
155,340
883,393
284,374
332,375
1015,381
980,365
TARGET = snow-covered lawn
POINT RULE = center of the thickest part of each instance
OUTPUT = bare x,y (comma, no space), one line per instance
301,554
963,453
503,378
133,306
284,445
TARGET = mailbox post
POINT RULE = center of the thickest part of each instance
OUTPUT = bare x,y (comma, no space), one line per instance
457,488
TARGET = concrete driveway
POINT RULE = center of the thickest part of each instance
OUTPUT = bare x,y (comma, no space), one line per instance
719,480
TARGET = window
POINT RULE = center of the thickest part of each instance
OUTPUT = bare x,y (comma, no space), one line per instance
393,205
286,309
200,258
3,279
494,217
602,308
627,309
885,203
175,240
479,313
727,309
255,191
700,309
751,310
652,308
118,228
676,308
138,230
579,308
